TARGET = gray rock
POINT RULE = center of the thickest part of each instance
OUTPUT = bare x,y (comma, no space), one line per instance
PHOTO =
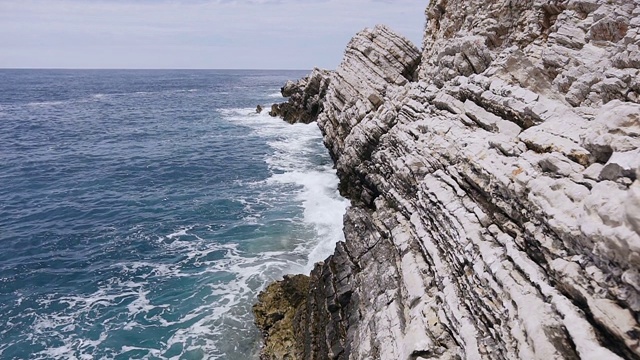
306,98
496,204
621,164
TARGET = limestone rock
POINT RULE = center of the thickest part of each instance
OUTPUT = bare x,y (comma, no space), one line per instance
305,98
375,61
494,185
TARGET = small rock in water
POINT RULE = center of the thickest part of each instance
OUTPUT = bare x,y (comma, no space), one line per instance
258,109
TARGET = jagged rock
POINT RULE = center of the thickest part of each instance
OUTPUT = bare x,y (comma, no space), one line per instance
258,109
280,315
305,98
615,128
494,185
621,164
376,61
609,29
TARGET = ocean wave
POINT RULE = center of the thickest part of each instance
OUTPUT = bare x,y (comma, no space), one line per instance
46,103
323,206
154,282
93,98
315,184
229,282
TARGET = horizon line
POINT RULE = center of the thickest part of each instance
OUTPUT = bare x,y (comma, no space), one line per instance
196,69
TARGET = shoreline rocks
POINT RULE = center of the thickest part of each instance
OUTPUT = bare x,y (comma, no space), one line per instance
305,98
279,315
494,187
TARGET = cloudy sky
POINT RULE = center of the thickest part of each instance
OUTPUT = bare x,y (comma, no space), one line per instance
205,34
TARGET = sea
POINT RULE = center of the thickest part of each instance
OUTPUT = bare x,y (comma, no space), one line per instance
142,211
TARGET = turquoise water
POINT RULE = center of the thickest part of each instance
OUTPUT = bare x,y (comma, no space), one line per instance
142,211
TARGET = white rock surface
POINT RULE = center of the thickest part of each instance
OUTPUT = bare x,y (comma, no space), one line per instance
494,183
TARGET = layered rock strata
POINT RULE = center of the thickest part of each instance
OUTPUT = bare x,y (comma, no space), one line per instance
494,185
305,98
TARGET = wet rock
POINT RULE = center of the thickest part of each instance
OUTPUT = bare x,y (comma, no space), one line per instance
280,315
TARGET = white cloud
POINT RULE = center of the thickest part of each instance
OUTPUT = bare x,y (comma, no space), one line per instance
192,34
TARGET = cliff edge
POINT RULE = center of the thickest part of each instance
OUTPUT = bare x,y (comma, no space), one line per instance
494,185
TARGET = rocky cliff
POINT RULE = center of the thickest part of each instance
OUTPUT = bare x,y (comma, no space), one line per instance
306,98
494,185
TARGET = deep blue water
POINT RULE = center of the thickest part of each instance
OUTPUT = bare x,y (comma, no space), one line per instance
142,211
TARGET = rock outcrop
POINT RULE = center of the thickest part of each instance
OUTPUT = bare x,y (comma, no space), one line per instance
494,185
280,314
305,98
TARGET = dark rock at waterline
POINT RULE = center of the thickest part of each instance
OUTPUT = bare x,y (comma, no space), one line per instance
258,109
307,317
280,315
292,114
305,98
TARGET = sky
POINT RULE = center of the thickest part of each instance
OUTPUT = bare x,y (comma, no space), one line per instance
193,34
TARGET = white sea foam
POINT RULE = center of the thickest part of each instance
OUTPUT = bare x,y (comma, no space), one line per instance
180,232
275,95
46,103
198,330
293,147
227,276
232,298
323,209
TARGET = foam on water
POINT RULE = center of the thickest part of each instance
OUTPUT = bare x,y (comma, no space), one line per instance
46,103
186,290
199,330
97,97
314,184
295,175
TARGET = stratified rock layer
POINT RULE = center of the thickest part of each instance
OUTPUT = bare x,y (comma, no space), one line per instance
494,183
305,98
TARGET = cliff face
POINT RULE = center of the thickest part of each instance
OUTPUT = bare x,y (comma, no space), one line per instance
493,177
